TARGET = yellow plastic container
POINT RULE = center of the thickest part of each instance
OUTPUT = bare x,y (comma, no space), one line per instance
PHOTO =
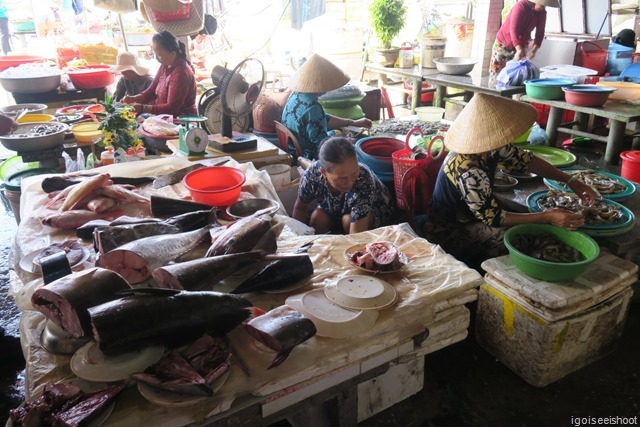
86,133
626,91
31,118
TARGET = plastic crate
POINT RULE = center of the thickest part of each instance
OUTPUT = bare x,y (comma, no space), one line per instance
543,114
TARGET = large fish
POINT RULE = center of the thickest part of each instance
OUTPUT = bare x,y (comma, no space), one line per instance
241,236
164,318
136,260
122,194
279,274
66,300
281,329
202,273
70,220
80,191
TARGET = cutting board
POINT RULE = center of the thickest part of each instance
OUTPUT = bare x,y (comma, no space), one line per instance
263,149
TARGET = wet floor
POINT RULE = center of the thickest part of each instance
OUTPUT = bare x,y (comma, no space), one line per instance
11,360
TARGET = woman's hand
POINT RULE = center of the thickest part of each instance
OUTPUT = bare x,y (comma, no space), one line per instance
519,53
565,219
7,124
587,193
138,108
128,99
363,123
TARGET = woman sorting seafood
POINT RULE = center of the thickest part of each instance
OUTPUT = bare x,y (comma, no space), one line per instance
173,90
349,198
464,216
304,115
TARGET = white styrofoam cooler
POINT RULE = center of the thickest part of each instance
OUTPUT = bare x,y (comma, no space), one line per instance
542,351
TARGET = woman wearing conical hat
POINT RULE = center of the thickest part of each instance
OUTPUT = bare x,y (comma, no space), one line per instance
304,115
464,216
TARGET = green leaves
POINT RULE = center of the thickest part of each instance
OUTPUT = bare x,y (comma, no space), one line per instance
387,19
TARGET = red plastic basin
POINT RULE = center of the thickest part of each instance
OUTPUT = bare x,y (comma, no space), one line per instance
215,185
586,95
9,61
91,77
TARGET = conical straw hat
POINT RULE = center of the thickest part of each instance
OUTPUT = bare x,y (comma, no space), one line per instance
166,6
318,75
487,123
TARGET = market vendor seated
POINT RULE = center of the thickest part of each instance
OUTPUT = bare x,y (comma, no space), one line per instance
464,216
347,196
173,90
304,115
135,78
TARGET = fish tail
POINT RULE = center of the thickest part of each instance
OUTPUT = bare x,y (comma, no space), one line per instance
280,357
255,312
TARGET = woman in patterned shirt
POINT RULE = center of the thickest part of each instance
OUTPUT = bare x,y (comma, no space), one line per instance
337,194
464,216
303,114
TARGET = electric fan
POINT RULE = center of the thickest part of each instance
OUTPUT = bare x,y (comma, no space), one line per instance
240,89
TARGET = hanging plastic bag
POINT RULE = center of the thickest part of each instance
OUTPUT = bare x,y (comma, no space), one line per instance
69,164
516,72
80,159
538,136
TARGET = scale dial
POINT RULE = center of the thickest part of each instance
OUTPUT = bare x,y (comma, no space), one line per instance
196,140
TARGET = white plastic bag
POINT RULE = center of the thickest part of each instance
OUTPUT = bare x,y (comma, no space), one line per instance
516,72
69,164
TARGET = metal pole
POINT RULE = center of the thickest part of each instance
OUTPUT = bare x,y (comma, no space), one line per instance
124,36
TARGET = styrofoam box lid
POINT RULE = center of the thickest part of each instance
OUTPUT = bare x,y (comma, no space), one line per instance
604,273
568,70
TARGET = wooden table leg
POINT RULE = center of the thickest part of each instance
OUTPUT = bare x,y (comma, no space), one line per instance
553,123
416,95
438,96
614,142
583,120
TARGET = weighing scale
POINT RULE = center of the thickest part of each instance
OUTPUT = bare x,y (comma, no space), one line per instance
193,138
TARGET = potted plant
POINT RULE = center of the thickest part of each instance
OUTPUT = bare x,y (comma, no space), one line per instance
387,20
119,127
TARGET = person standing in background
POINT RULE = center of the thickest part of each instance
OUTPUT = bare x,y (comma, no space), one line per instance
4,29
514,37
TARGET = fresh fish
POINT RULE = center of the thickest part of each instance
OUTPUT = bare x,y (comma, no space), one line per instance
279,274
175,177
165,206
191,371
80,191
124,220
121,194
106,239
58,183
100,204
88,407
58,198
241,236
70,220
66,300
193,220
281,329
134,322
85,232
136,260
202,273
133,181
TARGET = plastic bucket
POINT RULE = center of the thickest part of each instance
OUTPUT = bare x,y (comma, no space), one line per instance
13,197
630,165
619,58
596,59
432,48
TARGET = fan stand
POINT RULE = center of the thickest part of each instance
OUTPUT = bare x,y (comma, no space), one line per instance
229,141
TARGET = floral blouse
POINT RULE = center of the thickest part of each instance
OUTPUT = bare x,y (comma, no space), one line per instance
368,195
463,188
305,117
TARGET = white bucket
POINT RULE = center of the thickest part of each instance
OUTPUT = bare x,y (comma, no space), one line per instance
280,174
432,48
14,200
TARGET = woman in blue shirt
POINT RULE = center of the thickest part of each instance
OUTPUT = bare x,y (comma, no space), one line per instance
4,29
304,115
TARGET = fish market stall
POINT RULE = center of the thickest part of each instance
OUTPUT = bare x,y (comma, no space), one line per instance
418,308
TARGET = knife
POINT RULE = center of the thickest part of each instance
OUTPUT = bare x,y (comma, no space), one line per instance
176,176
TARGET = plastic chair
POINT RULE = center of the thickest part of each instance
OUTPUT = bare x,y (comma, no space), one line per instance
386,103
284,136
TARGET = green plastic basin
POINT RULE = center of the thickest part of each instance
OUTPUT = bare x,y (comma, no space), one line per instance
546,270
547,88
